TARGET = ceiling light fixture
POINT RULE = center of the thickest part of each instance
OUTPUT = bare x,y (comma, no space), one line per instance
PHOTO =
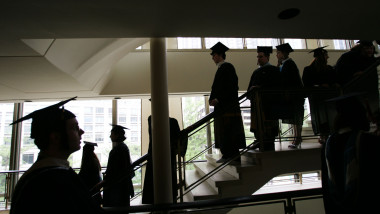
289,13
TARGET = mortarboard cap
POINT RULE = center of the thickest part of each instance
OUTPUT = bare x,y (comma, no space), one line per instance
285,48
365,42
118,128
47,119
265,49
90,143
318,51
219,48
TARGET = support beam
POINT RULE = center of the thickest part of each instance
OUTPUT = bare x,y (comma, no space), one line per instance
160,122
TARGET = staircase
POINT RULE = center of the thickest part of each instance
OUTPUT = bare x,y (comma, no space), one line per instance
255,170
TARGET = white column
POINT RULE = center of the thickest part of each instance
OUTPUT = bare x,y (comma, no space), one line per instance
114,111
160,122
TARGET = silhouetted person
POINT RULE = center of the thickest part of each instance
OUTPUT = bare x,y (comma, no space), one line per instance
319,76
228,125
351,66
349,179
148,191
265,77
90,170
118,186
50,185
292,101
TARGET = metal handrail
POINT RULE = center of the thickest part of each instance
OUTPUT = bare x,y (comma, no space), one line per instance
365,73
226,203
211,115
292,127
217,169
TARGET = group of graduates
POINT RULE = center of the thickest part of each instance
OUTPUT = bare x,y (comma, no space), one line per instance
282,92
52,186
342,121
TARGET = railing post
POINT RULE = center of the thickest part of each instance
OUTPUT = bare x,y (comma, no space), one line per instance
259,119
179,163
208,127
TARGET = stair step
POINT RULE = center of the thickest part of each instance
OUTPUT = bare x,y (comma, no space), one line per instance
203,191
218,179
247,163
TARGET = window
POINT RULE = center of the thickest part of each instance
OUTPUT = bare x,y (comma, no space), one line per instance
193,108
88,110
134,119
27,140
232,43
253,43
122,118
296,43
99,128
28,158
126,108
99,137
334,44
99,110
189,43
88,119
130,110
87,128
28,148
6,110
87,137
134,136
99,119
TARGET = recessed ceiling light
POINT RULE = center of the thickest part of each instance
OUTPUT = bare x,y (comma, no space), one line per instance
289,13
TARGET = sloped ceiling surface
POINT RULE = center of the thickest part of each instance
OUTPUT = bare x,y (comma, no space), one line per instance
47,68
50,48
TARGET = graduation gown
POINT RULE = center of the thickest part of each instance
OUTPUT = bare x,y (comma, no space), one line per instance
90,173
350,184
351,63
228,126
118,177
313,78
148,191
50,187
266,77
292,102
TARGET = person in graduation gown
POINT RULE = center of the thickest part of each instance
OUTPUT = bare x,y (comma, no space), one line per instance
349,180
293,101
265,77
228,124
148,191
118,186
50,185
319,77
90,170
351,65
